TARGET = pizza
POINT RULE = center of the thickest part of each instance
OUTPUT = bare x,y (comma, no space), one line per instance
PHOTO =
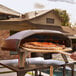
44,45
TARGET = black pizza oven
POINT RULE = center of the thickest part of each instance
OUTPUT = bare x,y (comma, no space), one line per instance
13,42
16,41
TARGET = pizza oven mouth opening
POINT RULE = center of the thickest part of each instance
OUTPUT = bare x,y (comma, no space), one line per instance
46,41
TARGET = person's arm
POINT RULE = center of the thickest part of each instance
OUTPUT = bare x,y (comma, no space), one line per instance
73,55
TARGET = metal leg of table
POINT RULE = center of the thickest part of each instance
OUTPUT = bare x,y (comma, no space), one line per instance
65,58
20,73
72,70
36,72
40,73
64,70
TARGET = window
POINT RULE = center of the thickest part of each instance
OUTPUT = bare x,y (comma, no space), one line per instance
4,17
49,20
13,52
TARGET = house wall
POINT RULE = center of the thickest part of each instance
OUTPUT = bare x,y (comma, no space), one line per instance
5,54
42,19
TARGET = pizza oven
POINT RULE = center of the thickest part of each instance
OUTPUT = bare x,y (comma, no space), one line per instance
37,40
40,43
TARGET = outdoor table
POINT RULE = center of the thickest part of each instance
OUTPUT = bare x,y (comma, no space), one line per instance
25,51
13,42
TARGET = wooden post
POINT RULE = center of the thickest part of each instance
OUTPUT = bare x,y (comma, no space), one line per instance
21,59
51,70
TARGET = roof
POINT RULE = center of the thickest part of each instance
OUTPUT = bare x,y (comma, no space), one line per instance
74,28
33,14
69,30
65,29
6,10
36,14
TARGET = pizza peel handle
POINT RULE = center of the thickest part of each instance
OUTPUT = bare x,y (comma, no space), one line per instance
49,51
65,53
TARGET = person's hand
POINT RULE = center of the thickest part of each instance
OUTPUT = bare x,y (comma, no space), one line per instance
73,55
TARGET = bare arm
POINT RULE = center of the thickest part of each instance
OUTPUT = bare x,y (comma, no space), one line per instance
73,55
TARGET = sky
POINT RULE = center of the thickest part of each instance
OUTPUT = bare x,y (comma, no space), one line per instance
24,6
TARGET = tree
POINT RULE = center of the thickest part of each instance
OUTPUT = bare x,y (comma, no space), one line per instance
64,17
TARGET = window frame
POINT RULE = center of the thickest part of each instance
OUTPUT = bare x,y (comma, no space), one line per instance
50,20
